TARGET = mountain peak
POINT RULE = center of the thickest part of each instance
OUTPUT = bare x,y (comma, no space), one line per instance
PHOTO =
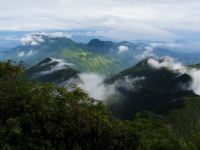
94,41
48,59
100,46
52,70
143,62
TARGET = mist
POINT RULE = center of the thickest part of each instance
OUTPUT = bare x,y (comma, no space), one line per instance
94,85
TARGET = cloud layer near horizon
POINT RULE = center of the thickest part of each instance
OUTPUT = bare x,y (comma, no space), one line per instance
128,19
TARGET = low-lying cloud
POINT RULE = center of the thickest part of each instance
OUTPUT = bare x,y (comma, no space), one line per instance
39,37
21,54
128,83
28,54
168,62
32,39
61,64
94,85
122,49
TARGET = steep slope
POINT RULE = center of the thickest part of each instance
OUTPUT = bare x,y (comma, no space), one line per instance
51,70
158,90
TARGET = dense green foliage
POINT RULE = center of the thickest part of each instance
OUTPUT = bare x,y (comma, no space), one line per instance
35,116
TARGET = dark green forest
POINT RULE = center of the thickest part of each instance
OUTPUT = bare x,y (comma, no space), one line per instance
39,116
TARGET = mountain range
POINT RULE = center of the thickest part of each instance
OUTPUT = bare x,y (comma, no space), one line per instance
104,57
136,89
134,80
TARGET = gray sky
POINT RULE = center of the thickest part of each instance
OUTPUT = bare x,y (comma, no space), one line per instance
120,19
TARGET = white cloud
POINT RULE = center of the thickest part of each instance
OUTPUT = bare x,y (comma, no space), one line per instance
28,54
59,34
31,53
93,84
148,52
122,49
36,38
61,64
128,83
21,54
167,62
195,85
32,39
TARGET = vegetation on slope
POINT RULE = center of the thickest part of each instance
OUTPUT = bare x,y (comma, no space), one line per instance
90,61
78,54
35,116
155,93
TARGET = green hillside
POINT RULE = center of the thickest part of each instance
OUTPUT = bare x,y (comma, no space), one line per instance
79,54
90,62
157,91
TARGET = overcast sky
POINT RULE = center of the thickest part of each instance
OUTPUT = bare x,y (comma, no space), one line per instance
120,19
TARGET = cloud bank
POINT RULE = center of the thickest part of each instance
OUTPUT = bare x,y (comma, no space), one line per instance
94,85
127,20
